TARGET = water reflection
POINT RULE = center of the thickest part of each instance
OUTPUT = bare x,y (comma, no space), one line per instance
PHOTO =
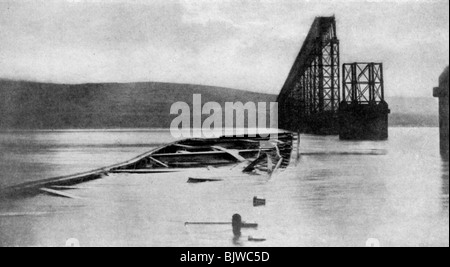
237,241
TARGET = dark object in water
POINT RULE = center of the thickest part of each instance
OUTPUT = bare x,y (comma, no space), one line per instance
236,222
201,180
252,239
249,225
258,202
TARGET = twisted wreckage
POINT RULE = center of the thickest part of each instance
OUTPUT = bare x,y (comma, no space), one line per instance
224,157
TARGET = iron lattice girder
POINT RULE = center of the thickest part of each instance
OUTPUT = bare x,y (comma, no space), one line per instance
314,80
363,82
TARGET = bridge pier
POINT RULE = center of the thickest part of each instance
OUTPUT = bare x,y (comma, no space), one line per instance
363,122
363,114
442,93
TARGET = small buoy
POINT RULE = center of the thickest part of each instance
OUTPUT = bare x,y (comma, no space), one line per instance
258,202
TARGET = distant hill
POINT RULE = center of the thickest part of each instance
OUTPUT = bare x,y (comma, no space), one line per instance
413,112
30,105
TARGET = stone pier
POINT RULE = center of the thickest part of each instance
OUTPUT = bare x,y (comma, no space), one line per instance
442,93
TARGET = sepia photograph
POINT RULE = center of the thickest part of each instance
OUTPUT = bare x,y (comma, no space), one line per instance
208,126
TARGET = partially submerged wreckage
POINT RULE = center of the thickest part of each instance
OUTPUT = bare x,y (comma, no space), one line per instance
226,156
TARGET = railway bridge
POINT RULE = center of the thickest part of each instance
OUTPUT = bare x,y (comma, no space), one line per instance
310,100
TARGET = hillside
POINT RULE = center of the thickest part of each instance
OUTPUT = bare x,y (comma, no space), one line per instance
29,105
413,112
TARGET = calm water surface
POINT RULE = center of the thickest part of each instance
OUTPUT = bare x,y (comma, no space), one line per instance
30,156
337,194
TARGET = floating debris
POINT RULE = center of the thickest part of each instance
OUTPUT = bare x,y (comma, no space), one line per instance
202,180
252,239
57,193
248,155
258,202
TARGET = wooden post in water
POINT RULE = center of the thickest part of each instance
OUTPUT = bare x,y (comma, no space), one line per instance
298,145
237,224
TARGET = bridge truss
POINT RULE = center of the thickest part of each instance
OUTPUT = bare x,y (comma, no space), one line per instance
309,99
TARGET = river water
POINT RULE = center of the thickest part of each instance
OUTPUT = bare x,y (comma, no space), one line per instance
338,193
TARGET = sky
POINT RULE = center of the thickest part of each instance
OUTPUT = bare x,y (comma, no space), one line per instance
242,44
